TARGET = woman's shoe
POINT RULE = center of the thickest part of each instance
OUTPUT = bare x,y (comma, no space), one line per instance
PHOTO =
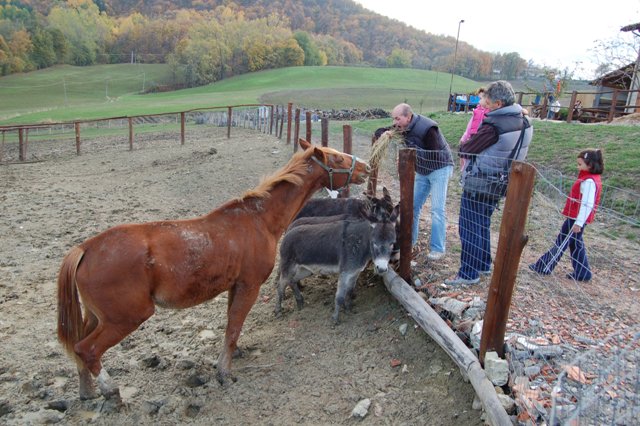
457,280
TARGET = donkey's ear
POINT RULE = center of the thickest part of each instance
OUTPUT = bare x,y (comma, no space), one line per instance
365,209
395,213
303,143
386,194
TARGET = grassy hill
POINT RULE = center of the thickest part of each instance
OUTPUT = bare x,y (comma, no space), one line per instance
72,93
69,93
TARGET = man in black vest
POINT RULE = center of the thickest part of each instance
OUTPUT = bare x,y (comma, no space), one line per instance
434,165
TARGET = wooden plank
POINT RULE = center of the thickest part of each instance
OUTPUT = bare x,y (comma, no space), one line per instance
438,330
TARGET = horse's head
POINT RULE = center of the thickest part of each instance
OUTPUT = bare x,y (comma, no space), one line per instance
342,169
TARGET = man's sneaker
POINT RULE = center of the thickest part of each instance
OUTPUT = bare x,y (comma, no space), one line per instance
457,280
435,255
487,272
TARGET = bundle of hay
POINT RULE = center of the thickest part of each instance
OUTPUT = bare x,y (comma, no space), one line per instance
385,147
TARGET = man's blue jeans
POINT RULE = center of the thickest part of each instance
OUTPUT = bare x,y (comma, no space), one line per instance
475,235
435,183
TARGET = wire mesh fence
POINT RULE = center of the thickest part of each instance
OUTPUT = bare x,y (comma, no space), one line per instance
572,345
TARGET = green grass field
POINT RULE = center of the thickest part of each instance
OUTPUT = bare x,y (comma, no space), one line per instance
69,93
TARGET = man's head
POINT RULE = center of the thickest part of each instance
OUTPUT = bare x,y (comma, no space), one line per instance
401,116
499,94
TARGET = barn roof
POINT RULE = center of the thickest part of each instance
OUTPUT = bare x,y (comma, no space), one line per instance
632,27
616,79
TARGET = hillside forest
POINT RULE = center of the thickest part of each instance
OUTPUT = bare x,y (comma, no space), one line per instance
204,41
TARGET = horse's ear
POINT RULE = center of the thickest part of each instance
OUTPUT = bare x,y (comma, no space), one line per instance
303,143
317,152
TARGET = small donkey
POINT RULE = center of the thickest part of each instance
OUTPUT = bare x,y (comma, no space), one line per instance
342,247
351,207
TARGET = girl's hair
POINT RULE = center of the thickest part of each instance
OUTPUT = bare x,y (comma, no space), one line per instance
593,159
480,91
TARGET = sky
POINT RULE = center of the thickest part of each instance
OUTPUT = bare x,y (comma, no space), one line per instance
560,34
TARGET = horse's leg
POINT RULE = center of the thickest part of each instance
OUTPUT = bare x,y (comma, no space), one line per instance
111,328
241,299
87,387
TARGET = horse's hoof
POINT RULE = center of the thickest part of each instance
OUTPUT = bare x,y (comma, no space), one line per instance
223,378
112,403
87,395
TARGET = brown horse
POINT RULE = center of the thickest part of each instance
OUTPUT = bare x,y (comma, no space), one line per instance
122,273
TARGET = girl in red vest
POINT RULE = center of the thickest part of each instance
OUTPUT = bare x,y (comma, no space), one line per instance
579,210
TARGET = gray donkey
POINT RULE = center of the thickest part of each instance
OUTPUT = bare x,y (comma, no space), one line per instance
347,207
341,247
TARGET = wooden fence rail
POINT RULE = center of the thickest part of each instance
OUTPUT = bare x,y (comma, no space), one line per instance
605,105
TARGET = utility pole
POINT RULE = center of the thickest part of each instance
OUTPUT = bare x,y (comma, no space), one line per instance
455,54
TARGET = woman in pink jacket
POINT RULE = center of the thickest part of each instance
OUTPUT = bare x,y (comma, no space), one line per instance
477,115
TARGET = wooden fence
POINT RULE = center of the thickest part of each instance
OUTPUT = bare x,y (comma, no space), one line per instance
586,107
266,118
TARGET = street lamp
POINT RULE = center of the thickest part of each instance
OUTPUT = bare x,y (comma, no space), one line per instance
455,54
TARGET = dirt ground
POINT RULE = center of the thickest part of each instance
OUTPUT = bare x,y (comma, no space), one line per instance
297,369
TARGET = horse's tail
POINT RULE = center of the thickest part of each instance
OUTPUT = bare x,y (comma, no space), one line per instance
70,324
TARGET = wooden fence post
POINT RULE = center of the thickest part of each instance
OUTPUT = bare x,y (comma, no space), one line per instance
276,118
406,170
21,147
510,245
572,105
130,119
76,125
296,131
307,119
229,116
2,150
545,103
614,102
324,130
182,128
282,122
347,149
271,111
289,109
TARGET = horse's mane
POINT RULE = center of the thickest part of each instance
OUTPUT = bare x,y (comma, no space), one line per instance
291,172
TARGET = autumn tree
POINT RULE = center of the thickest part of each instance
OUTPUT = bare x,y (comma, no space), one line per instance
86,29
312,54
399,58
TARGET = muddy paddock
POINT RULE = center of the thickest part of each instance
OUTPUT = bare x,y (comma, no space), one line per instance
296,369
